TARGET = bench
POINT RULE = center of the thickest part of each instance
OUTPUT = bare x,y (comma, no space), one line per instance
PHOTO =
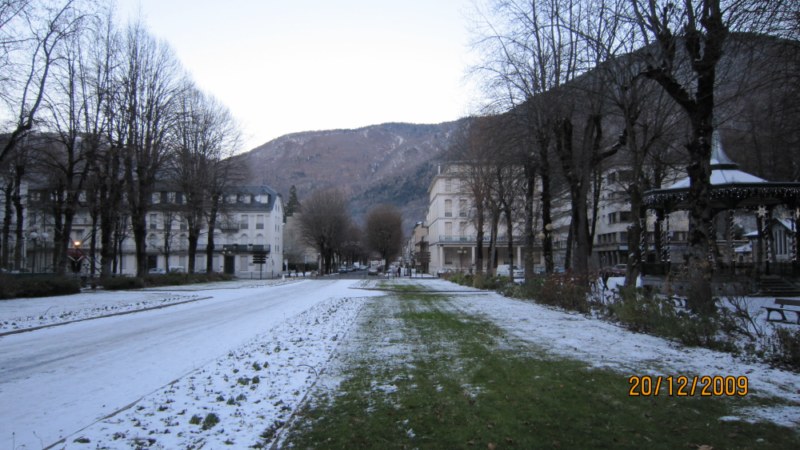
783,302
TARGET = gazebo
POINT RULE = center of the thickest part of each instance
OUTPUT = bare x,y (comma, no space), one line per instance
731,190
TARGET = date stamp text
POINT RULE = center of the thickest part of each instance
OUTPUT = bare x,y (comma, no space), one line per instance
688,386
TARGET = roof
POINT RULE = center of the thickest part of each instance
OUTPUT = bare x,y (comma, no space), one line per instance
723,170
731,188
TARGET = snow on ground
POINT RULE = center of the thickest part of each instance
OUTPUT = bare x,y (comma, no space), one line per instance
21,314
607,345
62,379
258,384
251,391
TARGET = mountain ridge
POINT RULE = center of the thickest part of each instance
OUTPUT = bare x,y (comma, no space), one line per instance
390,163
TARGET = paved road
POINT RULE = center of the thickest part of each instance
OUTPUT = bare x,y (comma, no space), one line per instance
56,381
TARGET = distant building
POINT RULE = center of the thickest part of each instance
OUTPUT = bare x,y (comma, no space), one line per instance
250,222
450,225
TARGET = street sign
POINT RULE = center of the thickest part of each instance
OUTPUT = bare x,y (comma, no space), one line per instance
259,258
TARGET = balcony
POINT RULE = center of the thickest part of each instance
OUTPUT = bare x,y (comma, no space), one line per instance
469,239
229,227
245,248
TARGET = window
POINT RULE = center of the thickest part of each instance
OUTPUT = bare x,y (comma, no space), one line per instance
170,197
619,217
36,196
448,208
244,222
462,207
448,228
448,185
231,199
156,198
153,221
260,222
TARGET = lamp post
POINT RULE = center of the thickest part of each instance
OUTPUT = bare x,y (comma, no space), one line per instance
34,236
76,264
461,252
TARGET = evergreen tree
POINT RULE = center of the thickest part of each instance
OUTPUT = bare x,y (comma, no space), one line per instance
293,204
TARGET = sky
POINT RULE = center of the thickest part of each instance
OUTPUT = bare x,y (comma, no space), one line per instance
285,66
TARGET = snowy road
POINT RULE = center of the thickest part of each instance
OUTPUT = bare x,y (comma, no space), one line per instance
56,381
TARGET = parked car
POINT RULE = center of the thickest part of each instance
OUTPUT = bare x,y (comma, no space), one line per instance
507,270
372,271
156,271
617,270
444,271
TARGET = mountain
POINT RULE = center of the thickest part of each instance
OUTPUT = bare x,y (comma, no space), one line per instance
389,163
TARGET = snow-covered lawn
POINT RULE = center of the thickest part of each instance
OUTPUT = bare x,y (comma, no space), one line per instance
263,375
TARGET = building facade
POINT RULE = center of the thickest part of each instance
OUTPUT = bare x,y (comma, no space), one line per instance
250,224
451,240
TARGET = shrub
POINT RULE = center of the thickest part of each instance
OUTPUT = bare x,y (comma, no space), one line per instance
640,312
649,313
210,420
175,279
121,283
785,348
37,286
563,290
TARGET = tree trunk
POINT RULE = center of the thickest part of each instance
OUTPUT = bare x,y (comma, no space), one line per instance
530,238
7,215
20,213
194,237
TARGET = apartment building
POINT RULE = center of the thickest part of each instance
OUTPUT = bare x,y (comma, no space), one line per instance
250,223
450,227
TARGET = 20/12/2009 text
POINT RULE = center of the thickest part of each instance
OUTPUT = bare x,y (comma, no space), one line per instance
688,386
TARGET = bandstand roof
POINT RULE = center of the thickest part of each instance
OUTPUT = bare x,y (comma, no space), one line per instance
731,188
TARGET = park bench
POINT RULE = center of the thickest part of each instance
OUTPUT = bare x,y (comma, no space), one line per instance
783,303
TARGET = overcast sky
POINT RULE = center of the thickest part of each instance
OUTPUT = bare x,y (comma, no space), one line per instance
284,66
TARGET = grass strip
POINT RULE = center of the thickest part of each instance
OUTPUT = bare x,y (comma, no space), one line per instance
463,385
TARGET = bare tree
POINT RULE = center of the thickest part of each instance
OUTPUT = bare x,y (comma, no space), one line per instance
75,110
43,27
206,134
149,82
324,222
685,42
384,231
469,155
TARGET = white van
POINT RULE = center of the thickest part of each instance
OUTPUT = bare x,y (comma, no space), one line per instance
506,270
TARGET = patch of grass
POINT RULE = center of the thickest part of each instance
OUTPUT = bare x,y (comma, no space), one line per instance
468,386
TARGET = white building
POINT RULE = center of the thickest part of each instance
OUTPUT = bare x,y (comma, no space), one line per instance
250,222
450,225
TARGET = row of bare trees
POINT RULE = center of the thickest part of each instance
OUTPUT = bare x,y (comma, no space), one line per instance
105,113
582,81
325,224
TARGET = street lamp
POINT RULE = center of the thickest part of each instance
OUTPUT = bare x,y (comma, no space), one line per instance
461,252
34,238
37,239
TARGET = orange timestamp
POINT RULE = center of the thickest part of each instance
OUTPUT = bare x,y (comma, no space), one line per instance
688,386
